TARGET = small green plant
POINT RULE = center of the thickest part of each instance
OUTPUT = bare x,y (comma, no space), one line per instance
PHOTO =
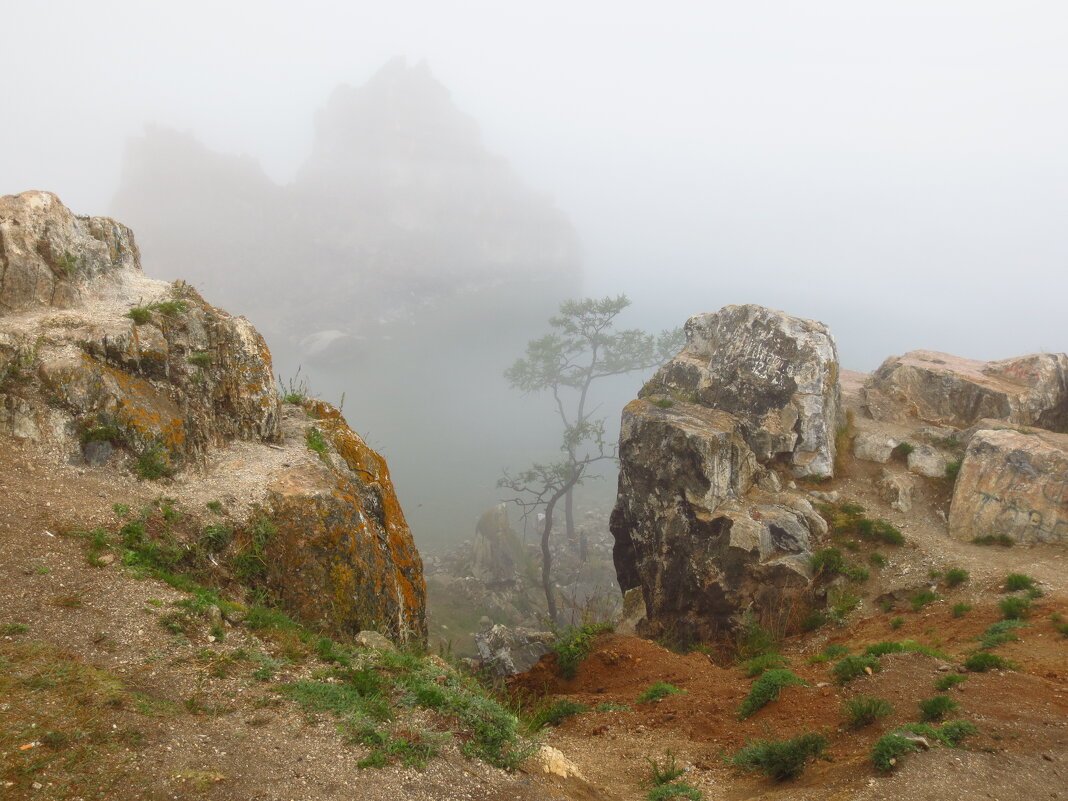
855,665
201,359
953,470
314,440
943,683
674,792
889,749
1058,624
293,390
827,562
983,661
999,633
1014,608
813,620
753,639
250,563
609,706
897,622
657,691
664,403
1014,582
922,599
554,714
1004,540
781,759
766,689
842,602
121,510
153,463
953,731
902,647
666,772
573,644
936,707
101,433
758,664
13,629
215,506
835,651
956,576
865,710
67,263
216,537
902,450
961,609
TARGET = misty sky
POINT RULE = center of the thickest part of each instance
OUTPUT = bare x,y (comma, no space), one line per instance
898,170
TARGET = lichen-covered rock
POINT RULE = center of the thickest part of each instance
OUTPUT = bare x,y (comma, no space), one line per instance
496,552
508,651
895,489
873,447
692,530
949,390
342,556
1013,484
776,373
48,255
927,461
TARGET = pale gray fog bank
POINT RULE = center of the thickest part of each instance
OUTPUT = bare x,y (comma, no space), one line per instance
400,228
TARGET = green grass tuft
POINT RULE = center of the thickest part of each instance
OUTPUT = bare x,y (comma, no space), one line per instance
865,710
660,689
889,749
573,644
936,707
781,759
766,689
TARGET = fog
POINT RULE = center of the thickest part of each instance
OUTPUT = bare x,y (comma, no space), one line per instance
894,169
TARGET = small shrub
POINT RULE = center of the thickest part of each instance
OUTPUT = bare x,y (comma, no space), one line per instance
758,664
865,710
754,639
999,633
922,599
67,263
889,749
984,660
660,689
1004,540
766,689
1014,582
664,403
953,470
314,440
835,651
936,707
153,463
961,609
901,647
827,562
781,759
842,603
956,576
902,450
855,665
215,506
555,714
216,537
857,574
953,731
897,622
293,390
139,314
813,620
888,534
943,683
573,644
202,360
1014,608
170,308
851,509
661,774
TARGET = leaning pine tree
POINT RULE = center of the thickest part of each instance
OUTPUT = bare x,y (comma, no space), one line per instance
582,348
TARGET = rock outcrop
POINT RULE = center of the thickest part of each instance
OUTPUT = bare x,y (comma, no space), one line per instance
949,390
776,373
101,364
1012,484
701,522
497,556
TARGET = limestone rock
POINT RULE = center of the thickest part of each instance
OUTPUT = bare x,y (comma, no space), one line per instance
343,557
47,255
508,651
496,551
872,447
949,390
552,761
776,373
895,490
374,641
1012,484
927,461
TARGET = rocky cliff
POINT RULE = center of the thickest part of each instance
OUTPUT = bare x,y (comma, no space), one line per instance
103,366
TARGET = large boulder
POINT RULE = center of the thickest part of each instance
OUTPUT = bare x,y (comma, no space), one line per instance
508,651
776,373
496,552
692,529
1013,484
950,390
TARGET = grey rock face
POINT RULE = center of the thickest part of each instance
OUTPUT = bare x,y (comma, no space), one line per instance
496,550
776,373
872,447
927,461
895,490
509,651
1012,484
948,390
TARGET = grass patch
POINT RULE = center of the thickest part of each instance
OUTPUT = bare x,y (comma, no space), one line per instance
888,749
984,660
936,707
1004,540
1014,608
781,759
573,644
673,792
999,633
956,576
961,609
766,689
1014,582
855,665
827,562
153,463
922,599
201,359
657,691
948,681
554,714
758,664
315,441
865,710
904,646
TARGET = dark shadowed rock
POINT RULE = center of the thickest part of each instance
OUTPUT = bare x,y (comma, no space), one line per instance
949,390
508,651
1013,484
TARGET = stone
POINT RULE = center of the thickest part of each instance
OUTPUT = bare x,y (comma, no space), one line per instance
873,447
508,651
927,461
948,390
374,641
551,761
895,489
1012,484
97,453
633,611
777,374
496,551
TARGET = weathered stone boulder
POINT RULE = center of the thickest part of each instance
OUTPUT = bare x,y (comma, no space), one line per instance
949,390
874,447
496,552
692,530
776,373
508,651
1013,484
928,461
342,555
48,255
896,490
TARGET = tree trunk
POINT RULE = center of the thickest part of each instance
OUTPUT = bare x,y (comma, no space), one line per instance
547,559
569,515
